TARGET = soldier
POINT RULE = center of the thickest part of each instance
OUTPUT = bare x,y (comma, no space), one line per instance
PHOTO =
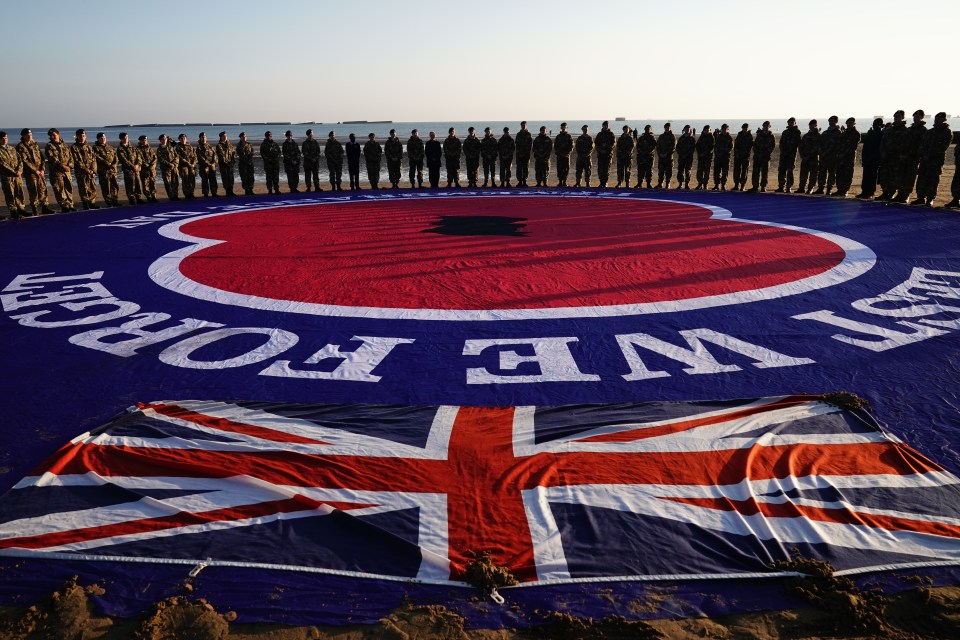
625,145
373,154
11,178
809,150
471,152
705,145
107,171
85,168
333,152
433,151
789,143
888,173
563,146
584,149
353,151
666,144
129,160
60,161
742,147
829,157
311,162
847,157
910,156
270,153
955,185
646,146
169,164
721,165
542,147
187,156
524,142
452,148
226,158
686,146
933,150
393,150
763,147
505,148
605,142
489,152
415,158
148,169
245,164
33,172
291,162
870,160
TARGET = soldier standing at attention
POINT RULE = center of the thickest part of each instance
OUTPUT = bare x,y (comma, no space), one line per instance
33,172
489,152
169,163
909,156
542,148
625,145
742,147
870,160
333,152
829,157
847,157
60,160
705,145
291,162
505,148
888,173
85,168
188,167
311,162
686,146
415,158
373,154
646,146
129,159
763,148
666,144
11,178
148,169
207,166
955,185
524,147
605,142
270,154
393,150
452,148
789,143
584,149
226,158
721,165
933,151
107,171
353,161
245,164
434,154
563,146
809,158
471,151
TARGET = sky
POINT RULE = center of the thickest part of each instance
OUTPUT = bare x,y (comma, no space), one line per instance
111,62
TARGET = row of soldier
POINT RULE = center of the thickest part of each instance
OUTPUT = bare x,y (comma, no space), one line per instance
897,157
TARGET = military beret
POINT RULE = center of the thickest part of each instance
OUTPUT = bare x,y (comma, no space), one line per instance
584,127
471,129
331,133
392,131
899,112
414,131
288,133
878,122
243,133
791,120
506,129
222,133
942,114
766,123
267,133
745,126
919,112
52,130
101,135
450,130
79,131
142,138
122,135
851,119
309,131
24,132
833,119
182,135
162,137
606,123
563,124
202,134
3,134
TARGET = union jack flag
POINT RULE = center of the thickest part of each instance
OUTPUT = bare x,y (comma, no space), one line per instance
627,491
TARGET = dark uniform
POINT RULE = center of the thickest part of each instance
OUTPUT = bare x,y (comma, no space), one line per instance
888,174
130,161
415,159
763,146
452,148
148,169
542,147
245,164
188,167
311,162
270,153
933,150
910,156
605,143
60,162
721,164
226,158
354,151
870,159
955,185
333,152
849,142
809,150
705,145
85,170
505,148
789,143
11,178
373,155
666,145
646,146
107,171
563,147
829,157
433,151
291,162
625,145
489,152
584,149
169,163
686,145
742,147
393,150
471,153
524,141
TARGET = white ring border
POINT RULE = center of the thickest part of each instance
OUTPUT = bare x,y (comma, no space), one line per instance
165,271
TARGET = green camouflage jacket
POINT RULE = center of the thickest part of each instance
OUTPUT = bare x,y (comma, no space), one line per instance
83,157
563,144
270,152
415,149
106,158
891,141
763,145
666,144
584,144
625,144
605,142
291,153
31,156
724,145
128,156
790,140
705,145
310,150
333,151
226,154
524,140
10,162
685,146
830,143
506,145
849,141
206,156
646,144
742,145
187,154
393,149
933,147
59,155
372,151
489,148
167,156
245,153
148,157
542,147
910,145
452,147
809,144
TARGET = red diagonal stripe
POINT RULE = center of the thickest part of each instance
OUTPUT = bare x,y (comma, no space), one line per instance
223,424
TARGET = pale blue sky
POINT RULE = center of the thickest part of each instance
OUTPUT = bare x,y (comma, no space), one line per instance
103,61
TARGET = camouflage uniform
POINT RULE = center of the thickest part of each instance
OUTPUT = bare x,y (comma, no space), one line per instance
452,148
955,185
471,152
310,149
245,166
809,160
888,174
910,159
415,160
542,148
373,155
646,146
933,150
829,159
742,147
584,149
291,164
85,169
270,154
705,145
207,168
148,170
505,148
605,142
489,152
393,150
187,156
32,159
129,157
563,147
169,163
625,145
763,147
721,164
524,140
333,152
789,143
107,173
226,158
12,184
686,145
60,162
847,157
666,145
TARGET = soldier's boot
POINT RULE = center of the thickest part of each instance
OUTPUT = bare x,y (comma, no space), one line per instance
901,198
919,202
46,210
779,189
953,204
